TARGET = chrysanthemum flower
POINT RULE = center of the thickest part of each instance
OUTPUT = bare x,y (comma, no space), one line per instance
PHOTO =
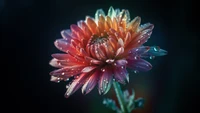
98,51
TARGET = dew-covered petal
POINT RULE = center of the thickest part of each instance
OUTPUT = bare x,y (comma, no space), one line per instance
91,82
134,24
76,84
88,69
105,80
121,74
64,45
139,64
154,51
121,62
77,31
119,51
66,34
99,13
56,79
92,25
85,29
60,56
55,63
111,12
92,60
67,71
138,51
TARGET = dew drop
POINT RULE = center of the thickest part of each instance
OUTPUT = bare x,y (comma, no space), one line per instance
103,70
135,71
113,79
63,73
151,57
122,67
136,49
67,86
135,57
138,41
156,48
115,64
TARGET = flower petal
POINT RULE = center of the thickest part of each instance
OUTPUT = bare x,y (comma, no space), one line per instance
105,80
137,52
134,24
154,51
121,62
66,34
119,51
77,31
64,45
55,79
88,69
99,13
92,25
90,83
111,12
121,74
76,84
55,63
67,71
60,56
139,65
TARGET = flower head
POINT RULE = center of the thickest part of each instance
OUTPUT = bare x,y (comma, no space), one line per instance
98,51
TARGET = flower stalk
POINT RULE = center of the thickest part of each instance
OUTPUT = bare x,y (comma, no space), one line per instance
120,97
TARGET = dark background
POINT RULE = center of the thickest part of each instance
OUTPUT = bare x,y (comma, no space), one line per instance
29,28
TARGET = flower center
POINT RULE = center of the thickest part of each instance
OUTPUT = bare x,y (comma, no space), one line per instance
95,39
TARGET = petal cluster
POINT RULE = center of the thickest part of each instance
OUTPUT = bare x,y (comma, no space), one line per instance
98,50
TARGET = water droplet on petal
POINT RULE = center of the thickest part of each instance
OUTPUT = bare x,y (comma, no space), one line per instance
135,71
103,70
122,67
138,41
156,48
152,57
63,73
135,57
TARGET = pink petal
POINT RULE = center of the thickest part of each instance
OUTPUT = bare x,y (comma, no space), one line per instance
66,34
55,79
60,56
55,63
64,45
67,71
88,69
91,82
119,51
139,64
76,84
105,81
92,60
77,31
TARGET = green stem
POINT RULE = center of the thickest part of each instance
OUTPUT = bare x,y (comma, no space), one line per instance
120,97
